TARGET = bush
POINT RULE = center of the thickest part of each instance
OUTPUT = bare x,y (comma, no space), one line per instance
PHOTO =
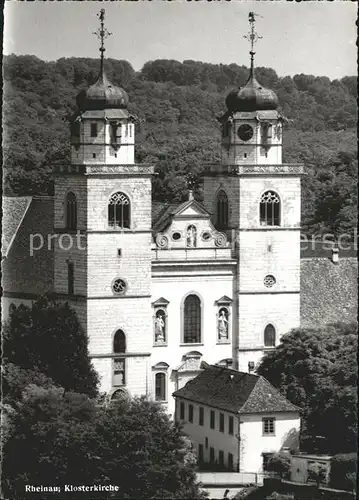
317,472
343,471
280,464
280,496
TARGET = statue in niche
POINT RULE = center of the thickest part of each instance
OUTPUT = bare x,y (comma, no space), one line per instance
191,236
223,324
160,327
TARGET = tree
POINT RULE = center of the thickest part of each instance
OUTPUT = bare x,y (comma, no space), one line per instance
316,369
47,337
179,103
62,438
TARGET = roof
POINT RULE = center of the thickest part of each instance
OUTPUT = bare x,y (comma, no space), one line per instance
316,248
234,391
161,214
329,292
14,209
23,272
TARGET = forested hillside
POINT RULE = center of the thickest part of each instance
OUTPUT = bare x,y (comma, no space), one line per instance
178,105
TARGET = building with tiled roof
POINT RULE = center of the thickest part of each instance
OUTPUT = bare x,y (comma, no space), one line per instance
160,287
236,420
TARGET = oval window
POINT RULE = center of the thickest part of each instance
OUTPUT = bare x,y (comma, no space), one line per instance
206,236
176,236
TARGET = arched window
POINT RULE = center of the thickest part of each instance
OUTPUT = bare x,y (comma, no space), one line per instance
119,342
119,364
71,211
192,320
160,379
119,211
269,336
269,209
222,210
70,278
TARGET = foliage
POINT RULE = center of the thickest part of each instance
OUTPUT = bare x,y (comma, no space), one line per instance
316,369
178,104
61,438
343,471
48,338
279,463
280,496
317,473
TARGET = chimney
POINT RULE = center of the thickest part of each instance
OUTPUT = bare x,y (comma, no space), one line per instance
335,255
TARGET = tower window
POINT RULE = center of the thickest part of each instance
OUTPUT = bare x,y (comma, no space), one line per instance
119,211
71,211
245,155
222,210
269,209
192,320
269,336
93,155
70,278
119,364
93,129
160,383
119,286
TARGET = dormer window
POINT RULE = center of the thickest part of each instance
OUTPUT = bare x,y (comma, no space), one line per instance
93,129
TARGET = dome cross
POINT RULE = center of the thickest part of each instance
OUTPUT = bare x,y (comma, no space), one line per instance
102,33
252,37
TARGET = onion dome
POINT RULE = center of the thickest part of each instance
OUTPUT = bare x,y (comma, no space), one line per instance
102,95
251,97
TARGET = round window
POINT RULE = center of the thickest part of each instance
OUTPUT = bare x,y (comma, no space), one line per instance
269,281
119,286
176,236
206,236
245,132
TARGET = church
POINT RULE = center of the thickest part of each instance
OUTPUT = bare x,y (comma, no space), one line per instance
161,287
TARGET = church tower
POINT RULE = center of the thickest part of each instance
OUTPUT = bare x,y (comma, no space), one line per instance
103,254
255,199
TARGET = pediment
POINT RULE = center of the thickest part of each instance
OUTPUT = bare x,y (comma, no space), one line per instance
224,300
160,302
191,209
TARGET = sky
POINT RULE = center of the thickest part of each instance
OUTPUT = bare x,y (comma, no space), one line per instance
313,37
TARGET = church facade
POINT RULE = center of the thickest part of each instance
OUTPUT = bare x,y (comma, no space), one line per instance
160,287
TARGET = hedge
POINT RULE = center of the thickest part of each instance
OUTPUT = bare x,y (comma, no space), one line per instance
343,471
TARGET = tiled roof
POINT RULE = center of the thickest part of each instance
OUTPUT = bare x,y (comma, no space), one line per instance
14,209
234,391
23,273
329,292
161,214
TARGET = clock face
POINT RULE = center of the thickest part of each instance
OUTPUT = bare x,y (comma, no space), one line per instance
245,132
